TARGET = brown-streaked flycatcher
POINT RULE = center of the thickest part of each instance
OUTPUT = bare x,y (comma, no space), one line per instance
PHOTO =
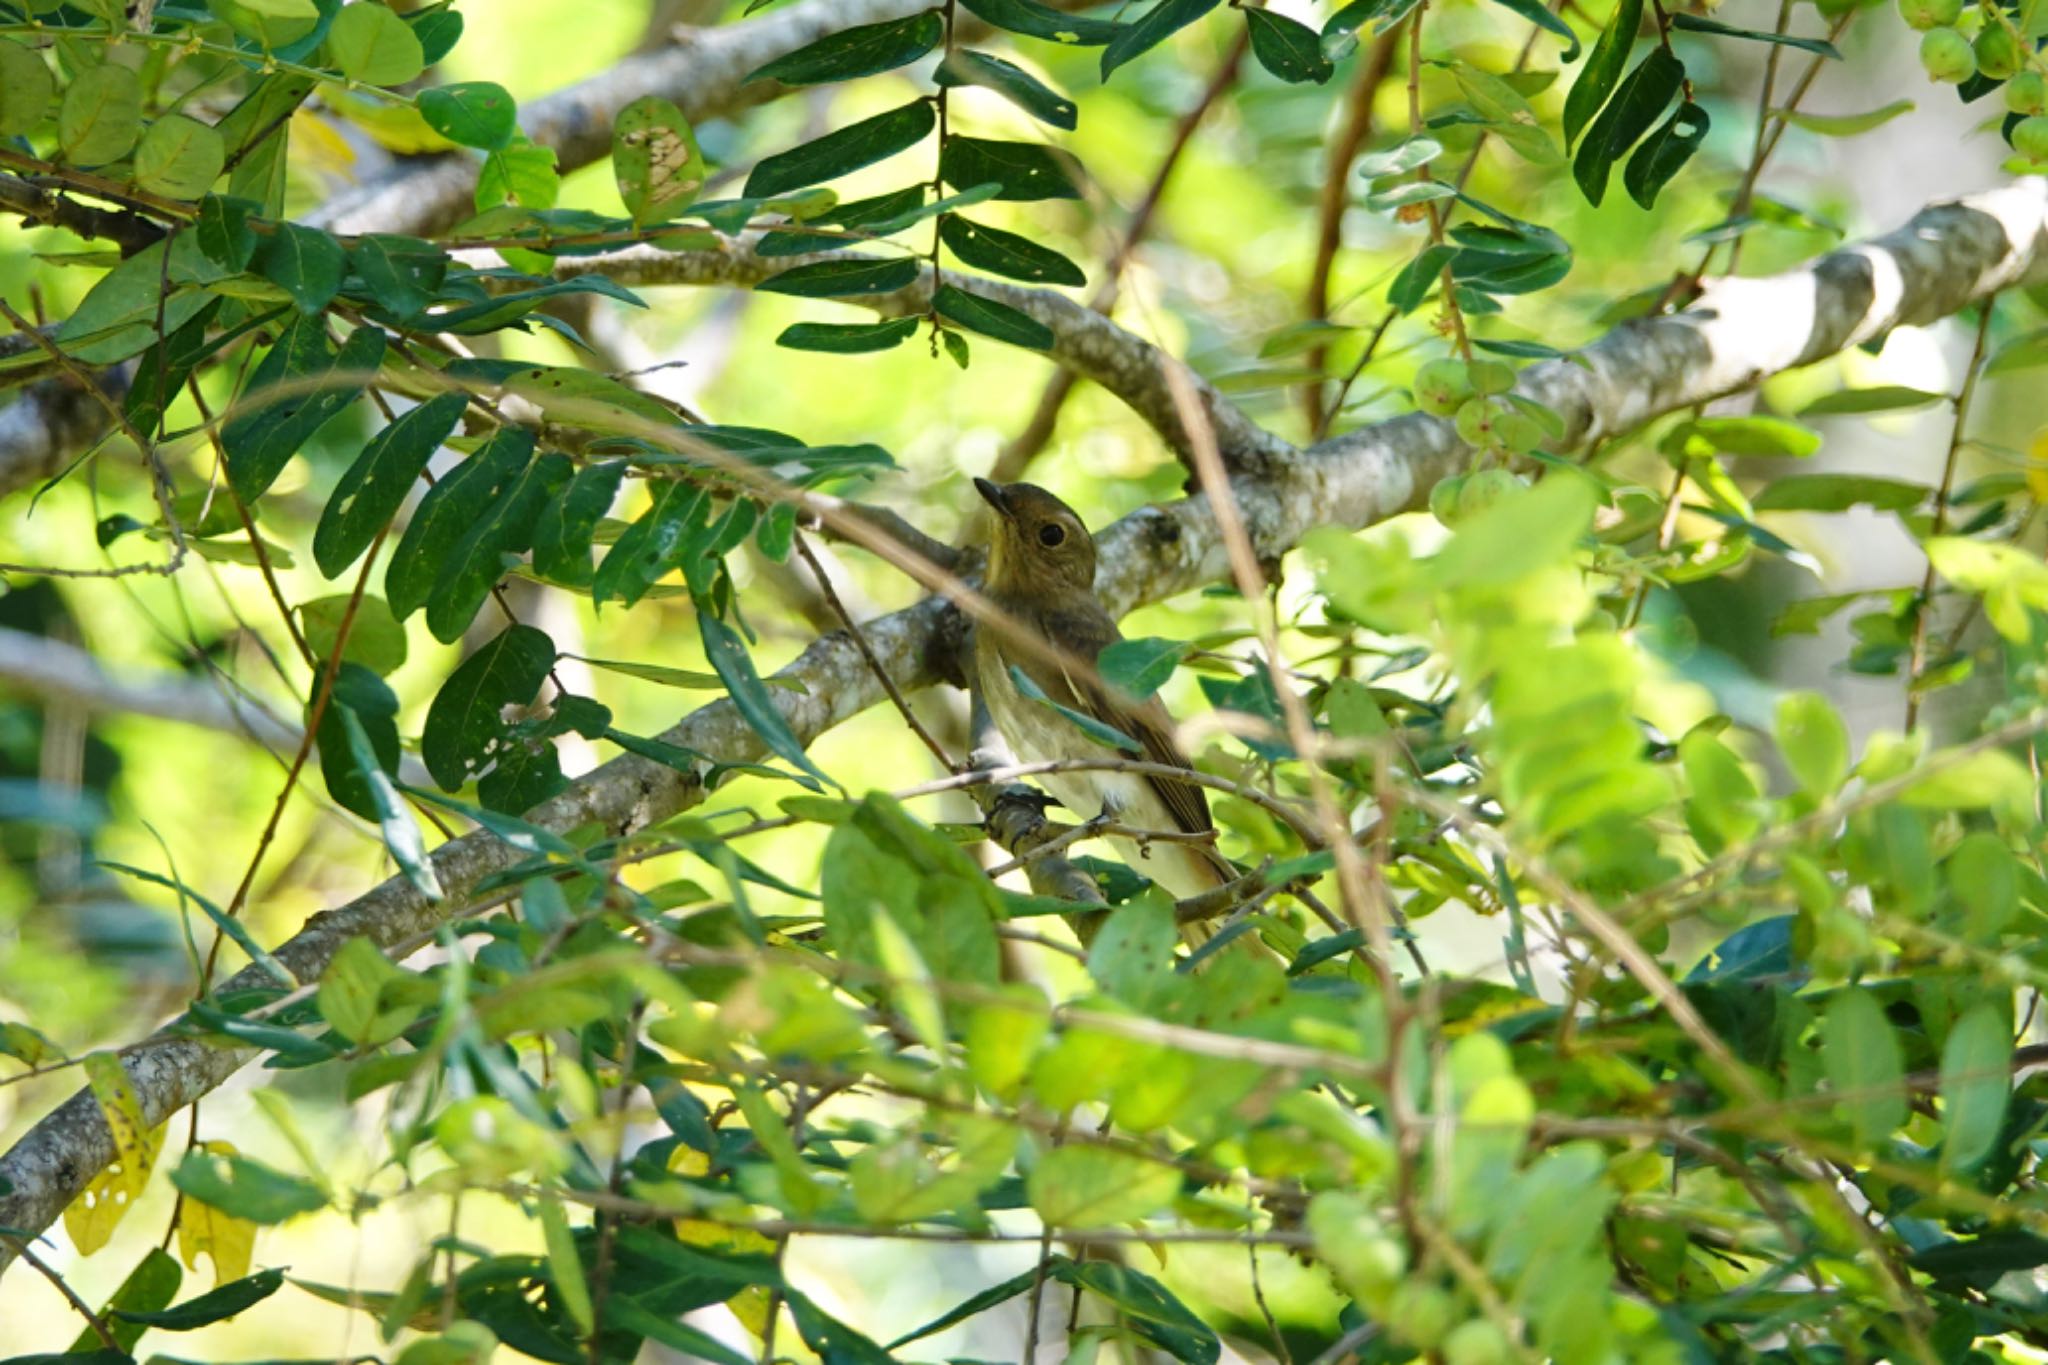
1041,575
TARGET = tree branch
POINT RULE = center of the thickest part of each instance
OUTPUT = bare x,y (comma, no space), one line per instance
1745,331
1084,341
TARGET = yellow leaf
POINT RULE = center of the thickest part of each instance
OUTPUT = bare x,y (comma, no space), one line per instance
206,1231
2037,465
92,1217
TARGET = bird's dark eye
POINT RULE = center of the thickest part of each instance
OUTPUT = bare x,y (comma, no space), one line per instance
1052,533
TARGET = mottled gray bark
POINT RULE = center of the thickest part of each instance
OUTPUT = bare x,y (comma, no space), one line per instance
1742,332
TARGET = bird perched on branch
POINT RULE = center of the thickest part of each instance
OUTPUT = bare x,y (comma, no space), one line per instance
1041,574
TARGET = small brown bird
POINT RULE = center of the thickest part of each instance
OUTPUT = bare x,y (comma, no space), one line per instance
1041,573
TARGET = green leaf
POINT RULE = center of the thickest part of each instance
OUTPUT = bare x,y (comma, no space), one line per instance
687,1341
864,50
1603,68
101,115
1845,125
473,113
26,88
1838,493
220,1304
847,338
1976,1065
1664,152
373,488
1012,82
521,173
848,149
402,273
1882,398
563,533
233,928
439,29
375,705
1154,27
850,276
1146,1306
653,545
1140,667
375,639
119,316
394,821
1643,96
1092,1187
1095,729
1540,15
224,233
306,262
656,160
1865,1070
1027,171
370,43
1699,23
150,1286
728,656
2021,353
1419,276
179,158
1035,20
993,319
446,514
1742,436
465,730
1288,48
1006,253
493,541
247,1189
316,382
1813,741
493,314
350,986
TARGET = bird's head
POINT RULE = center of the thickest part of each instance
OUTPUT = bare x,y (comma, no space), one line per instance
1039,545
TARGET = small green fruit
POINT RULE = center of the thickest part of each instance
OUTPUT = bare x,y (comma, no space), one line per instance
1483,489
2030,138
1946,55
1475,422
1447,498
2027,93
1441,386
1490,376
1421,1313
1998,52
1926,14
1477,1342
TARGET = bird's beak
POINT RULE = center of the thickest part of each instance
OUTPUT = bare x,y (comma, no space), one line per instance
994,494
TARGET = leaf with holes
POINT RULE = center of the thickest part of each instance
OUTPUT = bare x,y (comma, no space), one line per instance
370,492
1006,253
655,160
1027,171
1036,20
479,114
465,729
1664,152
1288,48
1012,82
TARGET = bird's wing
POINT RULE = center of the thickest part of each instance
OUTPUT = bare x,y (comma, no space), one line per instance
1084,632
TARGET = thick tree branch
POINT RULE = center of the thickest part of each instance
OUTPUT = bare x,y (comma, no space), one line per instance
1946,258
1084,341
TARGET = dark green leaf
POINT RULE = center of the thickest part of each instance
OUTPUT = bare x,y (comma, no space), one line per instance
1636,106
394,821
1006,253
316,383
1012,82
1148,1308
465,728
306,262
847,338
1539,14
448,512
1664,152
359,691
1700,23
1140,667
150,1286
1095,729
402,273
727,655
438,31
834,1342
653,545
1154,27
847,277
1603,68
373,488
473,113
492,314
628,1316
850,148
224,232
1026,170
863,214
1288,48
986,316
1419,276
224,1302
562,535
1035,20
864,50
489,545
286,1043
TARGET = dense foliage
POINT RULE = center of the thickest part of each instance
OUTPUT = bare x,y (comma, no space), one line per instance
1590,994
